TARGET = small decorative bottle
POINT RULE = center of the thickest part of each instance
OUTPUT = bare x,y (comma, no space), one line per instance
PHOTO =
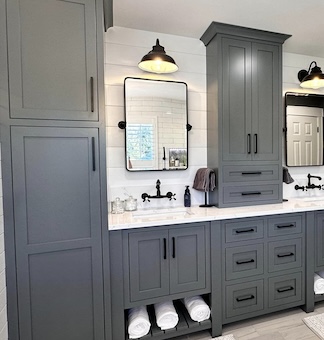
187,197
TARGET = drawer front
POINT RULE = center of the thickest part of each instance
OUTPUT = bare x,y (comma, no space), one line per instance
244,230
285,254
248,173
243,261
285,289
285,225
244,298
250,193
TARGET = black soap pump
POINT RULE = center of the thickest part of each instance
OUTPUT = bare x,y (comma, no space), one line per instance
187,197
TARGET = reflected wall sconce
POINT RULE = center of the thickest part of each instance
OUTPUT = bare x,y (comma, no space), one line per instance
157,61
313,78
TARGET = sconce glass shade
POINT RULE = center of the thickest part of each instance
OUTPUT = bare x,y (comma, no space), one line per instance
311,79
157,61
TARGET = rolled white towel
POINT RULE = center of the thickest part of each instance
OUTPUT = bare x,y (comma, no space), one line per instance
318,284
166,315
197,308
138,322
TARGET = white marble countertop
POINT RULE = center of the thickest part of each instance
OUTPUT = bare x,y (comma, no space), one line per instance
177,215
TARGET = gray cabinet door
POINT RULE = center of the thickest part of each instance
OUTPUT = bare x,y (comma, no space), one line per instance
52,59
148,264
58,233
236,89
187,259
265,102
250,116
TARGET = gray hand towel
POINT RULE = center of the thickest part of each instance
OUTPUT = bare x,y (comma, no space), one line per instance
286,178
205,180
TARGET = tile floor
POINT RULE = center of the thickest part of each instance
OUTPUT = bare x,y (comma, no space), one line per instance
287,325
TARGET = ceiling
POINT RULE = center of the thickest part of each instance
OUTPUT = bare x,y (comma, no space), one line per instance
303,19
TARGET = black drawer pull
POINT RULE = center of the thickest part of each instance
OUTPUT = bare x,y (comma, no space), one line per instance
244,298
164,249
240,231
285,255
92,94
285,289
247,193
245,261
285,226
93,147
251,173
255,143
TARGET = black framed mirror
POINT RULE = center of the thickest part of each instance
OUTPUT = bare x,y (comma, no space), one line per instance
156,124
304,129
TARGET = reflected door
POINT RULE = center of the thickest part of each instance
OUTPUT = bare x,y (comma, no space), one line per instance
304,140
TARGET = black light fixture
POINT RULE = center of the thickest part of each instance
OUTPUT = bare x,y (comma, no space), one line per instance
157,61
313,78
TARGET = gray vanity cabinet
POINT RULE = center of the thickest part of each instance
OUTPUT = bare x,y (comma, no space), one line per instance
52,56
263,265
243,113
165,261
57,222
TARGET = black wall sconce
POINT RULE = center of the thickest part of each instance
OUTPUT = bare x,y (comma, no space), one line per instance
157,61
313,78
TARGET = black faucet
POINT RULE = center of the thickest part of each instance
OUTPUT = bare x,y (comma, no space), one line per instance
168,195
313,186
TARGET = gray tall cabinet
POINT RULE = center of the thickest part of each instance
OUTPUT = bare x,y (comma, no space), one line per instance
53,155
244,113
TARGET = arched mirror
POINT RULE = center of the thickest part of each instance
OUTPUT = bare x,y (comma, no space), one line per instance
156,126
304,129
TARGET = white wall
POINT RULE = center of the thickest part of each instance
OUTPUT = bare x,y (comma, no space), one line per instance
3,296
124,49
292,63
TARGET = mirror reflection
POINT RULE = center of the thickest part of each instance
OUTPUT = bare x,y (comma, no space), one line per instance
156,125
304,129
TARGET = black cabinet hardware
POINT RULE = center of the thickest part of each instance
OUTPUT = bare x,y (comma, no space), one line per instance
245,261
255,143
285,226
249,143
251,173
92,94
93,146
285,289
250,193
244,298
173,247
164,249
285,255
240,231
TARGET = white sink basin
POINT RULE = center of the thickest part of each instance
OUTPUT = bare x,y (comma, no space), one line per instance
161,213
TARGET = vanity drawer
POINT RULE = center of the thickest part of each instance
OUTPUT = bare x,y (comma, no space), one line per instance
285,254
244,298
250,193
246,173
244,261
244,230
285,225
285,289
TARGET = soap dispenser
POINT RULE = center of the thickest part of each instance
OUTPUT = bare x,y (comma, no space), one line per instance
187,197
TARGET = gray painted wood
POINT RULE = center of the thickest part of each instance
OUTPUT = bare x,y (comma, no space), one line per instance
188,260
52,57
244,109
148,264
56,195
